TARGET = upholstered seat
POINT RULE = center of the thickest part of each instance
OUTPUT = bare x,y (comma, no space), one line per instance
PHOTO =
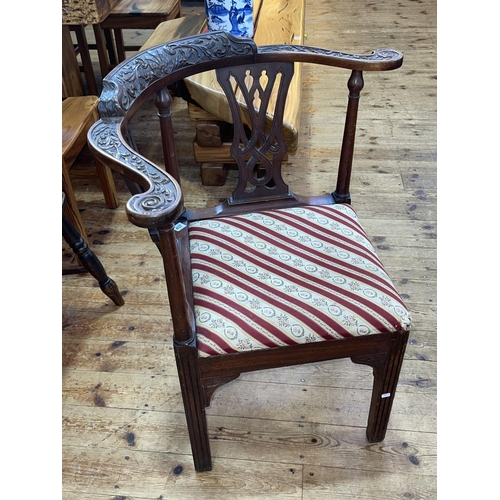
288,276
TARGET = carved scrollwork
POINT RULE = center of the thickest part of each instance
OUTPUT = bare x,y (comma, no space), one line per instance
126,82
380,55
162,202
385,55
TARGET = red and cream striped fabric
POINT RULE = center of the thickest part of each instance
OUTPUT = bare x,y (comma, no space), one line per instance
289,276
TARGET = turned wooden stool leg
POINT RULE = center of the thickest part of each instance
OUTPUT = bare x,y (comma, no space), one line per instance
70,207
90,261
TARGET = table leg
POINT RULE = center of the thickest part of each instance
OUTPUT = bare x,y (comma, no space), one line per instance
86,60
71,77
102,50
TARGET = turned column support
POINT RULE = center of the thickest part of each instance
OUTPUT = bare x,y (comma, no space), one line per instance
163,102
355,85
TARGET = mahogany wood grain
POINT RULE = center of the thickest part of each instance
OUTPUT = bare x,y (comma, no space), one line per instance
194,397
163,101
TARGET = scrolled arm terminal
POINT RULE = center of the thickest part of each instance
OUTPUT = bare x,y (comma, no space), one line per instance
162,201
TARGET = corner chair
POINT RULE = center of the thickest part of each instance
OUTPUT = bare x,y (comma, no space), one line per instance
267,278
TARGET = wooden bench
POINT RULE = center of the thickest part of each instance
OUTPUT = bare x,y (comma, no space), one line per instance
276,22
78,115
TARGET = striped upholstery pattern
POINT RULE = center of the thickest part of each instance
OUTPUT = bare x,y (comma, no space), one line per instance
288,276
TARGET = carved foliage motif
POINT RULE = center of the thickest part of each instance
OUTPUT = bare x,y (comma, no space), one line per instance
123,85
378,55
161,197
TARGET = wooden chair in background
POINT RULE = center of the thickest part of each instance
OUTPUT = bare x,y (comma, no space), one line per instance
78,114
267,278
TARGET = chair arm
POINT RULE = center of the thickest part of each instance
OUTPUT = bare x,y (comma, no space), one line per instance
161,203
379,60
127,86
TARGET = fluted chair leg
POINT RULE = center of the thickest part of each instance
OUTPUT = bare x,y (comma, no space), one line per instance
90,261
386,368
194,407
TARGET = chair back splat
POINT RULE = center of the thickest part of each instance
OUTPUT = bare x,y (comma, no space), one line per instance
268,278
258,152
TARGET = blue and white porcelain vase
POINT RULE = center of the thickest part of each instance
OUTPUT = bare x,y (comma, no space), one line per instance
233,16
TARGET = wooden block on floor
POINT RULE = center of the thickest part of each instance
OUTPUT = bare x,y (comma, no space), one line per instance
213,174
208,134
221,154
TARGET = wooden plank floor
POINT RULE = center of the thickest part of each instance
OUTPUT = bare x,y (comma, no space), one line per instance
295,433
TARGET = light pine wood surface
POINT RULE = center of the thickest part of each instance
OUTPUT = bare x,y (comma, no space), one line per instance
86,11
294,433
144,7
276,22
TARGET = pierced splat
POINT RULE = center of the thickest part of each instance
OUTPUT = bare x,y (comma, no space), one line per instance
257,149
